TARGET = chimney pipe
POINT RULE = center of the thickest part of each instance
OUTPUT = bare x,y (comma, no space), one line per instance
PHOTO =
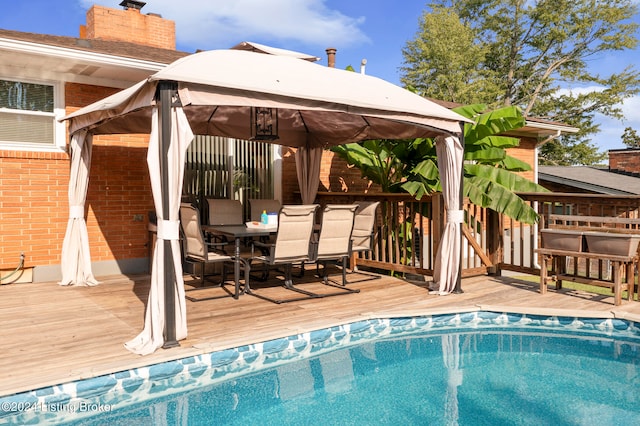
331,57
363,63
132,4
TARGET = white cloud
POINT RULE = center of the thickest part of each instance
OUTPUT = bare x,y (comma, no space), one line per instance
580,90
214,24
611,130
631,111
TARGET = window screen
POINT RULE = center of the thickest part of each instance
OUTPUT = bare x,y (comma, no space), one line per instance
26,112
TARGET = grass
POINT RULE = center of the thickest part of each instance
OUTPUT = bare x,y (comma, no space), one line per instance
579,286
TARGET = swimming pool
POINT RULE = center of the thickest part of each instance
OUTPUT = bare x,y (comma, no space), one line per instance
468,368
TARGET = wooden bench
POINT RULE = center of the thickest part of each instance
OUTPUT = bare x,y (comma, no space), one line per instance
621,265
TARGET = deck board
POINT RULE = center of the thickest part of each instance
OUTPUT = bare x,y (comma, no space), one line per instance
54,334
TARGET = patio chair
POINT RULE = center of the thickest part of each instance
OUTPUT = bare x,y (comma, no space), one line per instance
362,238
257,206
334,241
200,253
224,212
292,245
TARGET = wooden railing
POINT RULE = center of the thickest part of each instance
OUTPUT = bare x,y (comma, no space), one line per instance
519,241
404,231
408,231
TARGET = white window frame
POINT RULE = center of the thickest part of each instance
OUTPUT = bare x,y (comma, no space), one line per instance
59,130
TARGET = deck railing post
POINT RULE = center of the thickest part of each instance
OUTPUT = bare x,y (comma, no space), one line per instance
437,202
494,242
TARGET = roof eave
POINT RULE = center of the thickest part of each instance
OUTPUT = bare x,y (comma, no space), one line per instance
75,54
552,127
547,130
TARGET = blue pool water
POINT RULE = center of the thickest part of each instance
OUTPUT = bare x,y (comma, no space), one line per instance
488,369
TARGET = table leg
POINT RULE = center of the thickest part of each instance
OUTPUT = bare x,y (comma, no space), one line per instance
236,267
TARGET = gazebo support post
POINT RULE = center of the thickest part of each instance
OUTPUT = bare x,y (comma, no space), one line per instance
165,92
458,288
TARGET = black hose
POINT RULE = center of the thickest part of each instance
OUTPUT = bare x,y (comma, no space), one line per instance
18,268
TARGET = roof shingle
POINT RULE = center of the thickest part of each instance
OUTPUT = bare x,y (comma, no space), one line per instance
107,47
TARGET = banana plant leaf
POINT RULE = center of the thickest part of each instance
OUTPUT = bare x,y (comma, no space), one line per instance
513,164
495,122
484,154
498,187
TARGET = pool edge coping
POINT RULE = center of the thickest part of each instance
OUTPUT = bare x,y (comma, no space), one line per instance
203,348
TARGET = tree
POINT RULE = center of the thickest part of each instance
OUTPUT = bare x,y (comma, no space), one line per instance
529,54
445,60
569,153
489,178
631,138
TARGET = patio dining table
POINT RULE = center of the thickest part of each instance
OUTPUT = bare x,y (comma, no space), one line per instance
238,233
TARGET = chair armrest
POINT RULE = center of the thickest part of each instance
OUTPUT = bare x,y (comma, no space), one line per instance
265,248
219,247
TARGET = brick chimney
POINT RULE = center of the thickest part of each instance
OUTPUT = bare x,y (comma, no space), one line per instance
331,57
129,25
625,161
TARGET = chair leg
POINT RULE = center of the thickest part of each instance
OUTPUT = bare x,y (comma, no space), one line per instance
329,282
203,287
324,274
355,270
301,274
201,264
264,273
288,284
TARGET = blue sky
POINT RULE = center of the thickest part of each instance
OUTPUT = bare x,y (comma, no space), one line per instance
375,30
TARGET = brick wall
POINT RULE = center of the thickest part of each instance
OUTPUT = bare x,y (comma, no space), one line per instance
627,160
129,25
335,176
119,187
34,203
525,152
290,189
33,207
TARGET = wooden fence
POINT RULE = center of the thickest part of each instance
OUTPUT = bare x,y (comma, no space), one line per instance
408,230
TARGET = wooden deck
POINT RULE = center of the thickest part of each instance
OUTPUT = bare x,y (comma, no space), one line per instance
54,334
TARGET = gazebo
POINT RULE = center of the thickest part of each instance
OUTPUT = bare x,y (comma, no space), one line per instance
248,95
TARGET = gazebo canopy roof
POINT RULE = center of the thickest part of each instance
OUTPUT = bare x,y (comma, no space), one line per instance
317,105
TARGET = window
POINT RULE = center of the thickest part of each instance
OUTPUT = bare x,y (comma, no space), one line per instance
28,112
218,167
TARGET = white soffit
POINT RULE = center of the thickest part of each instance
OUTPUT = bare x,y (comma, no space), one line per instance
22,58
